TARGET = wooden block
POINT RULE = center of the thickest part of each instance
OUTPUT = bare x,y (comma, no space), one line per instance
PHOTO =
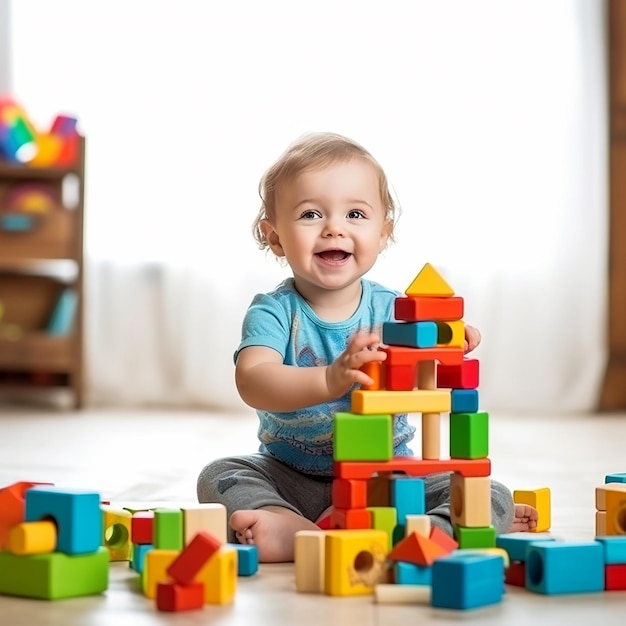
210,517
601,524
601,494
247,558
375,370
194,556
464,401
168,529
451,334
418,401
615,478
410,334
615,511
540,500
469,435
350,519
175,597
442,539
54,576
349,494
399,377
75,512
379,490
489,550
385,593
219,576
559,567
614,549
475,537
411,574
355,561
363,438
309,559
400,355
429,282
470,501
12,507
416,548
417,524
516,574
412,467
32,538
384,518
142,527
408,496
138,555
464,375
156,562
428,309
431,422
615,577
116,531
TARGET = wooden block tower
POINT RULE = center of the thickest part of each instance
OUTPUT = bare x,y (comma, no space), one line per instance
425,372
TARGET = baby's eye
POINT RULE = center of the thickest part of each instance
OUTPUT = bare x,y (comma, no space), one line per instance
309,215
356,214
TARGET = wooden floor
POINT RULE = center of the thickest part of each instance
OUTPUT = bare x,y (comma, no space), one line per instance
130,455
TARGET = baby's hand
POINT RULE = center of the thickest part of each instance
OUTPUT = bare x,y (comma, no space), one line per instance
345,370
472,338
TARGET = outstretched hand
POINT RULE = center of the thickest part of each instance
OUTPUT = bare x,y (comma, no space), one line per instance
345,370
472,338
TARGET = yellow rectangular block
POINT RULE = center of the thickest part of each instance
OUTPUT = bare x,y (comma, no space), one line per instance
219,576
601,493
539,499
155,569
116,527
416,401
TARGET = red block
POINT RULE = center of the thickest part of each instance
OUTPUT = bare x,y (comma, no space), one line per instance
615,577
422,309
186,566
350,519
412,466
349,494
12,507
141,527
463,376
174,597
516,574
442,539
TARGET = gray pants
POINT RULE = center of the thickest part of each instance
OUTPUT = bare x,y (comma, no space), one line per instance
257,480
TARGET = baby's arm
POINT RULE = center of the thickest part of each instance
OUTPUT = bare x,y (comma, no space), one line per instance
265,382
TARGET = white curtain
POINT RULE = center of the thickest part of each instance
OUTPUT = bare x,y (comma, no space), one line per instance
488,116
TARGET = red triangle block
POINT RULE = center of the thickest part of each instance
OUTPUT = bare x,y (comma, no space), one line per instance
442,539
418,549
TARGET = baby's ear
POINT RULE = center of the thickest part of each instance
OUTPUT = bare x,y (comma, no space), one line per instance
385,236
272,238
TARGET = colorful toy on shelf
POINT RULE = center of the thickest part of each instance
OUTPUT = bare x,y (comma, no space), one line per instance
21,143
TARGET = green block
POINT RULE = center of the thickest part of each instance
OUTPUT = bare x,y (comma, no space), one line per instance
55,575
469,435
363,437
168,529
384,518
475,537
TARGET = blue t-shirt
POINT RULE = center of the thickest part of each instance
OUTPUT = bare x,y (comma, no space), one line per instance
282,320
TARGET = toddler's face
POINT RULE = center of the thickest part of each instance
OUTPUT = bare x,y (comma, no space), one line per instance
330,224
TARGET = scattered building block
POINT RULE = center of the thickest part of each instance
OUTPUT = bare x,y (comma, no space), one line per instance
405,573
561,567
469,435
408,496
172,596
516,574
516,544
464,375
363,438
464,401
384,518
168,529
412,467
12,507
309,560
219,576
76,513
614,549
247,558
615,478
32,538
349,494
350,519
375,371
142,527
385,593
539,499
470,501
155,564
417,523
410,334
615,577
449,544
416,309
138,556
451,334
611,498
116,526
210,517
413,401
355,561
469,538
193,557
417,549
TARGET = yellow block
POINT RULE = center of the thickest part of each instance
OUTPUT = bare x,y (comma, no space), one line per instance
32,538
457,334
539,499
416,401
355,561
155,569
428,282
116,528
219,576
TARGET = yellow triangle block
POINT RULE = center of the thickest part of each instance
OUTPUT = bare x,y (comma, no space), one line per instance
427,283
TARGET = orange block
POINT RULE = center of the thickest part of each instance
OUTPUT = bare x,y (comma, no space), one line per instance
428,309
412,467
374,370
352,519
415,548
12,507
442,539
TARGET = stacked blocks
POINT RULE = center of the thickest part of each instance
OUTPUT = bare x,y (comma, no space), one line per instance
55,551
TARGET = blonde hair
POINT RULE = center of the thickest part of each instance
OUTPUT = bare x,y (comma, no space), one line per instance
312,151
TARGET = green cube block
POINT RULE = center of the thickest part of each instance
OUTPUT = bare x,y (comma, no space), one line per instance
475,537
469,435
168,529
363,437
55,575
384,518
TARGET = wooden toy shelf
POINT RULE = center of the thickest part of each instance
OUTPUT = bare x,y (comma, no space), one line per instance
35,352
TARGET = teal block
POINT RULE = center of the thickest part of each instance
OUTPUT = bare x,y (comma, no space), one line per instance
464,400
55,575
614,549
615,478
516,544
76,513
561,567
469,435
408,495
411,574
247,558
168,529
363,437
139,551
467,581
410,334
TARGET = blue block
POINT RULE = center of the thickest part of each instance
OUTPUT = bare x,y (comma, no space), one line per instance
614,549
467,581
565,567
411,574
76,513
411,334
615,478
408,495
139,556
464,401
247,559
516,545
16,222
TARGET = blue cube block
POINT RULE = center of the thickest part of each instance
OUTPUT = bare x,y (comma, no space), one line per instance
76,513
464,401
565,567
247,558
467,581
408,495
516,544
411,334
138,557
411,574
614,549
615,478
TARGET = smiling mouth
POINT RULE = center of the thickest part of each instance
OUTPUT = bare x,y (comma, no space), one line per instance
333,255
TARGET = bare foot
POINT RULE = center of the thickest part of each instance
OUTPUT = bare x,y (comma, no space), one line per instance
525,519
271,529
